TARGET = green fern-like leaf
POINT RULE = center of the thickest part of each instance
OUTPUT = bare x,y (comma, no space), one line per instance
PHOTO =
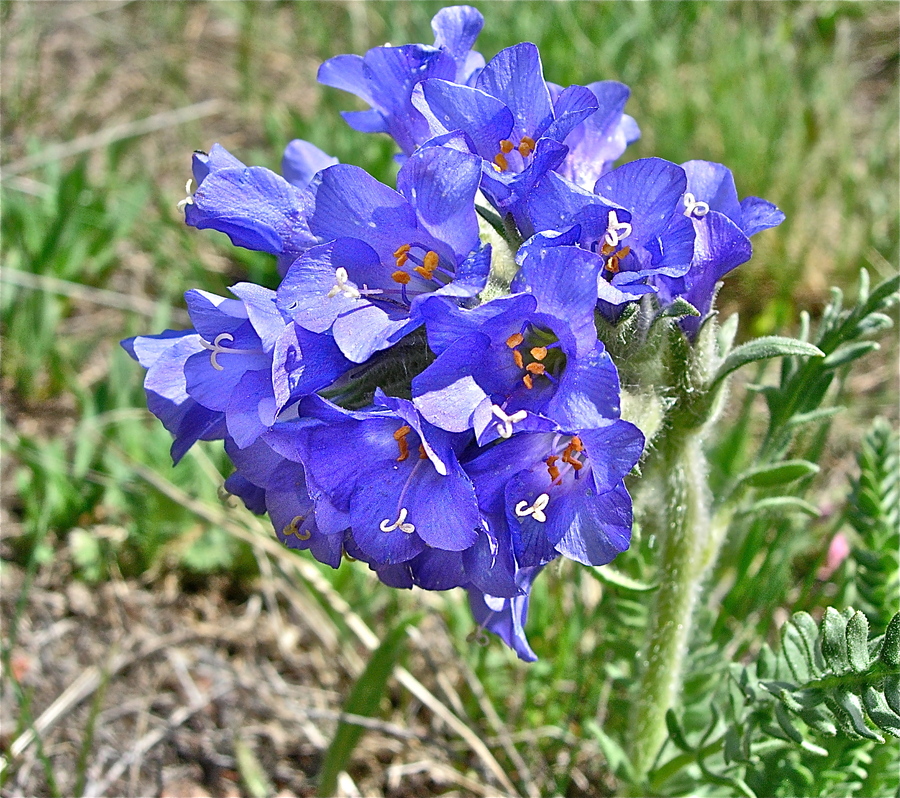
874,513
835,679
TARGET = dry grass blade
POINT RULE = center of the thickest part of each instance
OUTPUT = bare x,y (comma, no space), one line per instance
102,138
91,679
145,743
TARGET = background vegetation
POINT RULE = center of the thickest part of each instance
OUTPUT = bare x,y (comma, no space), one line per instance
102,104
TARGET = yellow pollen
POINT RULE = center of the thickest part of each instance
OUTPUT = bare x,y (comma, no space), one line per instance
402,250
529,381
535,368
400,277
517,356
526,146
514,340
401,259
500,162
506,146
539,352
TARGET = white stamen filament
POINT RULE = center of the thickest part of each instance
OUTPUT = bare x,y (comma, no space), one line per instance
189,199
536,510
695,207
505,422
385,526
341,286
215,349
616,230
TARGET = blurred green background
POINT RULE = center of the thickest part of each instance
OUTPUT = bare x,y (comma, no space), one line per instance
102,105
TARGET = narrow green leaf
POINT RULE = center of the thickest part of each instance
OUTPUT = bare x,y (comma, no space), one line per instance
890,648
252,773
795,653
783,504
834,641
858,642
851,704
615,755
768,476
611,576
820,414
892,691
787,725
676,735
763,349
848,353
364,700
766,663
881,714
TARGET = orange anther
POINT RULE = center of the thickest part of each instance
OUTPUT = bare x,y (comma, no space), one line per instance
529,381
576,444
526,146
402,250
623,253
539,352
500,161
517,356
612,265
552,469
402,445
506,146
514,340
535,368
400,277
430,261
401,259
402,432
607,248
422,454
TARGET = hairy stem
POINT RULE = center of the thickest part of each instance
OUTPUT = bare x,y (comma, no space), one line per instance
684,555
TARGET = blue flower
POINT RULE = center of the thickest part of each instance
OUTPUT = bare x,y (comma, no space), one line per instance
633,225
504,616
561,492
385,76
525,362
723,227
599,140
396,477
256,208
509,119
268,482
232,374
388,250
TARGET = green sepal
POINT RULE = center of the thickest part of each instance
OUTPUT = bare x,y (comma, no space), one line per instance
679,309
848,353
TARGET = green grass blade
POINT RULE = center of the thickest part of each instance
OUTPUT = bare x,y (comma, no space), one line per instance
364,700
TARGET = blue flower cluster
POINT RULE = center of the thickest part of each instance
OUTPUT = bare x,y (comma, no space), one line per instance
379,403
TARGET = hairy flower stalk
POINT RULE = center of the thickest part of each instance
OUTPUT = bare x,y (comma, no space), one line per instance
683,560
